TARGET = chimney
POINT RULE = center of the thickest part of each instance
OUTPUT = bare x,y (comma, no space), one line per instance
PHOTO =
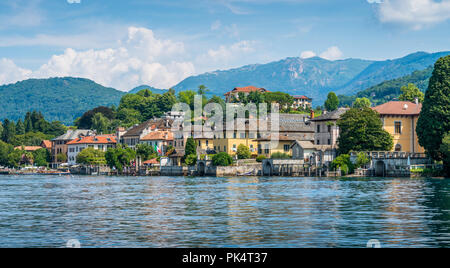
312,114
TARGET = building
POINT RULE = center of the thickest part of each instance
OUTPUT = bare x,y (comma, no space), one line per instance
133,136
28,148
47,145
400,120
234,94
282,144
59,144
301,102
309,153
160,140
326,130
97,142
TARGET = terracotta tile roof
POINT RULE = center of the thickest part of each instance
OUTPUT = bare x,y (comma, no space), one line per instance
151,162
246,90
101,139
159,136
28,148
301,97
161,124
47,144
399,108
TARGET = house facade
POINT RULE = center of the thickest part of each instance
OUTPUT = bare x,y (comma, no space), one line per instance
301,102
234,94
160,140
97,142
133,135
59,144
400,120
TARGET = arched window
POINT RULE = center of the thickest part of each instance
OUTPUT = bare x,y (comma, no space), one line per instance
398,148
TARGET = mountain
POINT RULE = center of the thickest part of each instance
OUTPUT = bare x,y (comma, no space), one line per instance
390,90
152,89
311,77
314,77
61,99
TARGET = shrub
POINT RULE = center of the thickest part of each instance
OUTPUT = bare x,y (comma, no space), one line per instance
260,158
222,159
343,162
362,159
191,160
243,152
280,156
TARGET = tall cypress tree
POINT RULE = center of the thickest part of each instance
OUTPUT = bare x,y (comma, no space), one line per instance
20,127
28,123
191,147
9,131
434,119
332,102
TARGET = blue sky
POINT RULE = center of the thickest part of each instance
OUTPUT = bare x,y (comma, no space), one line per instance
124,44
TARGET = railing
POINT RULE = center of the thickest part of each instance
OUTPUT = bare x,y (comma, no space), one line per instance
393,155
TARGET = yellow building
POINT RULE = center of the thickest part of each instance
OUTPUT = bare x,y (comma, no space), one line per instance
267,147
231,141
400,120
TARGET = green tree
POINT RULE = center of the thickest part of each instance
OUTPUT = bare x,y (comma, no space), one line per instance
9,131
362,159
410,93
90,156
279,155
61,158
5,150
222,159
120,157
434,121
362,103
243,152
191,147
445,151
146,152
202,90
191,160
15,157
42,157
100,123
28,124
362,130
343,162
332,102
20,128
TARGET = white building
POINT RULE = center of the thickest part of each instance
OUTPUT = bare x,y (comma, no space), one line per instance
101,142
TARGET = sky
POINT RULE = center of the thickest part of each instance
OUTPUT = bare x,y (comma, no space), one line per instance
124,44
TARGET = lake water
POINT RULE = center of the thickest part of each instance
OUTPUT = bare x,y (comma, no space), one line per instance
38,211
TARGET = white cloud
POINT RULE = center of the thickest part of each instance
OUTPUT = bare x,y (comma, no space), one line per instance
74,1
228,53
413,13
10,72
307,54
216,25
332,53
140,59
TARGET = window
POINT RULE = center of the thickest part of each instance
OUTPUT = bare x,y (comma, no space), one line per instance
224,148
207,142
242,135
329,129
398,127
318,128
251,135
286,148
329,142
199,143
398,148
318,142
259,149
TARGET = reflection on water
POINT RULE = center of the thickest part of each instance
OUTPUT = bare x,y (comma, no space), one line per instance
223,212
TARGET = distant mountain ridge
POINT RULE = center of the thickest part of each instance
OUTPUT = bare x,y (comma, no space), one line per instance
60,99
152,89
314,77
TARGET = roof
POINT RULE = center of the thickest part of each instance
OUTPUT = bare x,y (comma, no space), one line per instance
73,134
301,97
28,148
334,115
158,136
151,162
273,137
46,144
102,139
399,108
153,124
246,90
310,145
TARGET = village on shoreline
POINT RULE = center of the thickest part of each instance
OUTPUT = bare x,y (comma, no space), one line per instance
150,139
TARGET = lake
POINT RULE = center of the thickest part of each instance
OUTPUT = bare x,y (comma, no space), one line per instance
48,211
